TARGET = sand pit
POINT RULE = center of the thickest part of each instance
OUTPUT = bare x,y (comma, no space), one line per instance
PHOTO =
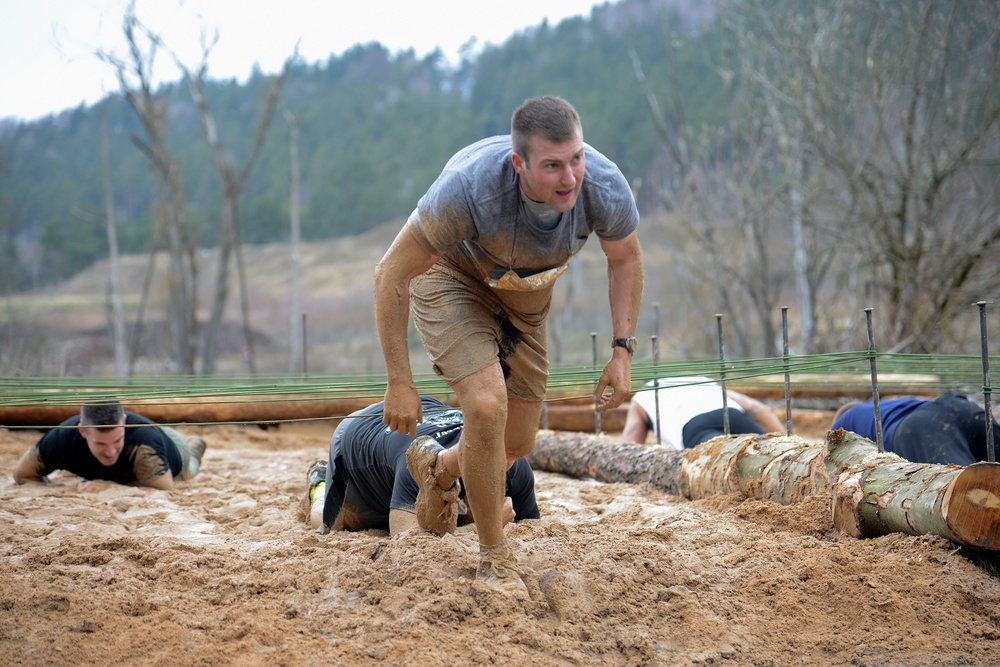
220,572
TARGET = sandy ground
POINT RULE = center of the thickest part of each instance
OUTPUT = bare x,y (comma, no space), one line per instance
220,572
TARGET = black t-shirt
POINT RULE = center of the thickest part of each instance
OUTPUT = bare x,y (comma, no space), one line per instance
147,452
367,466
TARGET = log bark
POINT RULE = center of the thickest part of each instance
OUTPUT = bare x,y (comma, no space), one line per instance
256,409
608,459
883,493
270,409
872,494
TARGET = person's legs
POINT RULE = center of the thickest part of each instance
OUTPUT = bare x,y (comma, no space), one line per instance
521,430
436,507
482,457
311,503
191,449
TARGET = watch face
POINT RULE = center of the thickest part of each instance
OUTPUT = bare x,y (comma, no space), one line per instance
631,343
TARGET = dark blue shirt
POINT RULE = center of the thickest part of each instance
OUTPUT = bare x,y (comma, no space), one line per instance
860,418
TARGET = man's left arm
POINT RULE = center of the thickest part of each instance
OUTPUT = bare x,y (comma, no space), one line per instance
152,469
625,282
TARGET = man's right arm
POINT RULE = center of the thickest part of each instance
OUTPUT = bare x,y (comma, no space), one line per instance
404,260
30,467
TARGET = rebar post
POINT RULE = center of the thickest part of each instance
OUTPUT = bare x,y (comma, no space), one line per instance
987,389
871,358
304,348
655,346
722,376
597,412
788,388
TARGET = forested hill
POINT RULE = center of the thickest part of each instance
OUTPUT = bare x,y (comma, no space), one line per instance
374,129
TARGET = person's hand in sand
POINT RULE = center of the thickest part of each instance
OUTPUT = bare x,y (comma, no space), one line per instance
106,445
366,483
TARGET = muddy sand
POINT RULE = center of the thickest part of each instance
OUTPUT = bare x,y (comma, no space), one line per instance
220,572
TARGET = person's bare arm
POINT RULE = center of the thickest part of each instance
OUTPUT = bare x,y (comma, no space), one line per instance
28,468
758,412
625,283
404,260
636,424
164,482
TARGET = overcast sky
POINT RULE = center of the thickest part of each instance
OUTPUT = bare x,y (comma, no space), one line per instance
47,61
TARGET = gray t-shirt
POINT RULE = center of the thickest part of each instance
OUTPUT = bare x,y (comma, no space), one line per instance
473,217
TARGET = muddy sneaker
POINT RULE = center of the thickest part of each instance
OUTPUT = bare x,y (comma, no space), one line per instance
198,446
315,476
436,508
497,569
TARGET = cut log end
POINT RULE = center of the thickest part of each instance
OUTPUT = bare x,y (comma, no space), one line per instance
847,496
973,506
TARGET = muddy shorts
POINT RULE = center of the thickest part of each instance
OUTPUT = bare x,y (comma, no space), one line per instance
465,329
191,465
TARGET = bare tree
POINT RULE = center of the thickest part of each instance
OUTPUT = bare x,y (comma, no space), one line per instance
117,314
296,349
134,73
233,179
729,210
898,105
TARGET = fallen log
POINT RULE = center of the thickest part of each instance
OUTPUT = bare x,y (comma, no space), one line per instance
275,409
262,409
883,493
871,494
770,467
608,459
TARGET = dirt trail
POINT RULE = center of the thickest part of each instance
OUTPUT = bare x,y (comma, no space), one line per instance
219,572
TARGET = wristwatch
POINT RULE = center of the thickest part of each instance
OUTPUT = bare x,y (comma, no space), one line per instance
631,343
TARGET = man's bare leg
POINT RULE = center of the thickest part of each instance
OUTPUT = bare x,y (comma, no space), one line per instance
482,459
520,434
521,429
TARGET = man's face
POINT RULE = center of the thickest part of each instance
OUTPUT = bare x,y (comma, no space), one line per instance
552,173
104,443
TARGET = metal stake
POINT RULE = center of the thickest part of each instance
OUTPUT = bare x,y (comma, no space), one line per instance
788,389
655,345
722,376
871,357
597,413
987,389
304,348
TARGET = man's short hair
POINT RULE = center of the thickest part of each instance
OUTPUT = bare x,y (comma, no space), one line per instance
102,414
548,116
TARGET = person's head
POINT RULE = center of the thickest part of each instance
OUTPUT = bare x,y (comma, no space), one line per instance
102,425
547,139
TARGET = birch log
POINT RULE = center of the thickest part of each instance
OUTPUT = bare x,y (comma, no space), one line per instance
872,494
768,467
883,493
